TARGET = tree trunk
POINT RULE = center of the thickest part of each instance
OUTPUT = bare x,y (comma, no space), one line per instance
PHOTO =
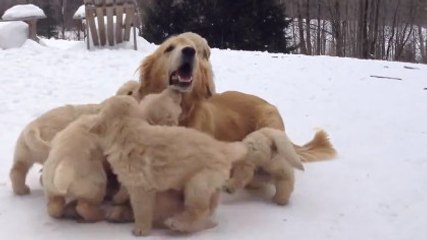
308,22
302,43
319,29
422,44
393,31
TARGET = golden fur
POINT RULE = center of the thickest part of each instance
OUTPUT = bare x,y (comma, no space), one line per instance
74,168
271,151
33,143
150,159
130,88
202,46
156,68
162,108
229,116
168,204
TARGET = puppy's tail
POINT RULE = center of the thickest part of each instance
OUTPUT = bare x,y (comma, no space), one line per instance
35,141
63,177
318,149
284,146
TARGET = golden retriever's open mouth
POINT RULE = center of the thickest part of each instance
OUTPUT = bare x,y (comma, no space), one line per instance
182,79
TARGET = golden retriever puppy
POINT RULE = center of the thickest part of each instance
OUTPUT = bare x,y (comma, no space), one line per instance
162,108
74,168
130,88
157,109
271,151
229,116
33,143
150,159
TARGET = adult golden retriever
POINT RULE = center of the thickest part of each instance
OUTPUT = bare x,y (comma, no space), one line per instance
180,62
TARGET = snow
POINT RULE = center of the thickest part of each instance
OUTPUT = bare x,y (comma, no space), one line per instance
80,13
19,12
375,189
13,34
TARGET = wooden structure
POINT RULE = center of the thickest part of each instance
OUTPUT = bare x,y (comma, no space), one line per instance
32,26
110,21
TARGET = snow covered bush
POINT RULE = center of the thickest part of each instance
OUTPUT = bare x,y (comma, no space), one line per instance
13,34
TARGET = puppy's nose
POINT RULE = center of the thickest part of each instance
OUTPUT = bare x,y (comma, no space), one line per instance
188,52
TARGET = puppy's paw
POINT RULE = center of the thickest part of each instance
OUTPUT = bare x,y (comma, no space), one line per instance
281,200
175,225
120,198
229,187
140,231
180,225
119,214
21,190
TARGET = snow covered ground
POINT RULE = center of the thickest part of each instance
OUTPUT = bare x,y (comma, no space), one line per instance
375,189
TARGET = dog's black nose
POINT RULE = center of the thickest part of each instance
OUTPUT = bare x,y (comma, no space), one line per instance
188,51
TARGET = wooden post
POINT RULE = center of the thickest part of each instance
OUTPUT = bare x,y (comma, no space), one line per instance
134,38
32,29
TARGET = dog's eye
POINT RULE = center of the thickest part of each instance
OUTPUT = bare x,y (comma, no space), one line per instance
130,93
170,48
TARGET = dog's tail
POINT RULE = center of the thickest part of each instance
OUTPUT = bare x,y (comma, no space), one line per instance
284,146
35,141
63,177
318,149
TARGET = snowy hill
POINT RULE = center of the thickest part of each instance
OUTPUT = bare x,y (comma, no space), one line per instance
375,189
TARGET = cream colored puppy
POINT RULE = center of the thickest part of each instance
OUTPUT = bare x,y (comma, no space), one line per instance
130,88
270,151
162,108
75,166
150,159
157,109
75,169
33,143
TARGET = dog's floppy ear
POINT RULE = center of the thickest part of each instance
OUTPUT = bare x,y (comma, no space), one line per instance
144,74
204,85
206,53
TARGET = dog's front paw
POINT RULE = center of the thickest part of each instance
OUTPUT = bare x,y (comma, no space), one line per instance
281,200
21,190
180,224
176,225
140,231
229,187
119,214
120,199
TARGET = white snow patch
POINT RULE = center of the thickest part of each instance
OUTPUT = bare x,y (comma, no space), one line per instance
13,34
375,189
21,11
80,13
